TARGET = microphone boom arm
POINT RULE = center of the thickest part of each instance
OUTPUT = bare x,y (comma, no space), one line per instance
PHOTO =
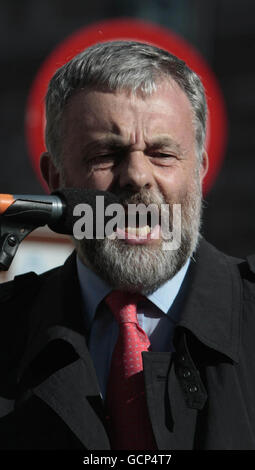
22,215
11,235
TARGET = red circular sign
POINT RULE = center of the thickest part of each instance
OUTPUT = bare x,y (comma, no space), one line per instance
143,32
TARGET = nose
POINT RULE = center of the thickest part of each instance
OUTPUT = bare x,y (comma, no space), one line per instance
135,172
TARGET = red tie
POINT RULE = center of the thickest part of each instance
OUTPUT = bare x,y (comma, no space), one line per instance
128,419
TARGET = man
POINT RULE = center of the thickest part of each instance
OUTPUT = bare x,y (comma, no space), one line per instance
130,118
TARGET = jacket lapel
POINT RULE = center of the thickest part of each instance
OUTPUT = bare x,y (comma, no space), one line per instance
73,394
57,366
212,305
210,314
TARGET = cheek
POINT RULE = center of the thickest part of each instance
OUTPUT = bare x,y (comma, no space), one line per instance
172,185
176,185
100,180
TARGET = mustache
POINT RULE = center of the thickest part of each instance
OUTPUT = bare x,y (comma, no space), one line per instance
160,211
144,196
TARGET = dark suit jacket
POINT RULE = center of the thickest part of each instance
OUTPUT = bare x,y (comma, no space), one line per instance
200,397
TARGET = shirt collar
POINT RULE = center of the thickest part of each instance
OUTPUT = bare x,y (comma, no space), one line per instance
165,295
94,289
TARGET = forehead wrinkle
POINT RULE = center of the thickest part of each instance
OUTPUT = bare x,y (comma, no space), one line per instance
116,141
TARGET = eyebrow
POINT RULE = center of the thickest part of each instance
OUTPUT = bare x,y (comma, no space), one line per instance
116,142
165,141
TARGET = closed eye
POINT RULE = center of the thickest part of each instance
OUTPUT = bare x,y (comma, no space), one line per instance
164,155
103,161
163,159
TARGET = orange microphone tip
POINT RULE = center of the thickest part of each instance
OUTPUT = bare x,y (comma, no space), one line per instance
6,200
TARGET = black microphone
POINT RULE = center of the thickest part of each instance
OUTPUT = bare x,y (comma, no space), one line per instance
55,210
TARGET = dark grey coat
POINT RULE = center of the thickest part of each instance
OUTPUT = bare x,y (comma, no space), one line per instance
200,397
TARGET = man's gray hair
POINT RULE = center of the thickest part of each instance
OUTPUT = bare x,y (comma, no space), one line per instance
116,66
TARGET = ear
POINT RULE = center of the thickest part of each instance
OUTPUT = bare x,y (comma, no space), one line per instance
49,171
204,166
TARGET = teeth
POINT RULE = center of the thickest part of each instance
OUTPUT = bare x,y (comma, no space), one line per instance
112,236
142,231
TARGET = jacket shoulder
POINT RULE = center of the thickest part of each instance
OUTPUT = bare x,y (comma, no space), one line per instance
242,270
22,285
16,299
16,287
207,247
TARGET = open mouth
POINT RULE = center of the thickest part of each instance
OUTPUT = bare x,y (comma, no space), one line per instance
139,227
140,223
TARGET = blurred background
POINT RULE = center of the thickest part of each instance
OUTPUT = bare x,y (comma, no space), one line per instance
222,31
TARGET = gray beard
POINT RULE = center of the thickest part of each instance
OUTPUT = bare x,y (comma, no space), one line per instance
144,268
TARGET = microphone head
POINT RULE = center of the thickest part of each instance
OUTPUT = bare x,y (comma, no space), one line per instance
71,197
